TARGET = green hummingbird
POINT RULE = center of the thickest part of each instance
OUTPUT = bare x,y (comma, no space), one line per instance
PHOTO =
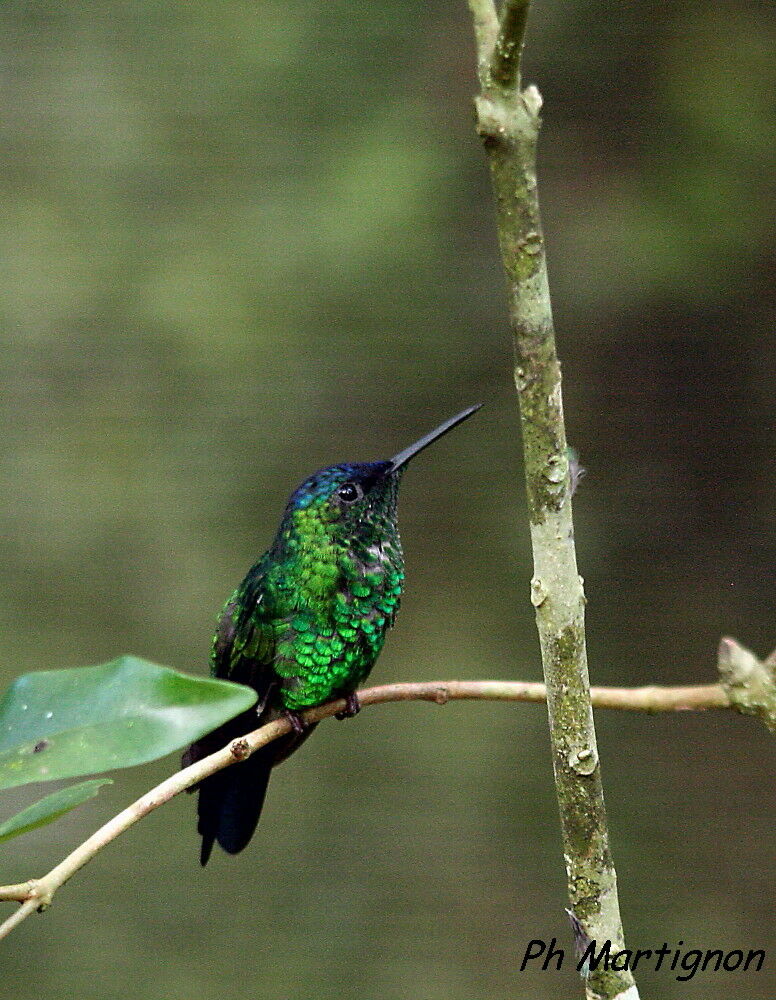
306,625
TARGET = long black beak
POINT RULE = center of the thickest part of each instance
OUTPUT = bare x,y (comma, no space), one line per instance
404,456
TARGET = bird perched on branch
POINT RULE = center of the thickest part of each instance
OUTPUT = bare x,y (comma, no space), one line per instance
306,625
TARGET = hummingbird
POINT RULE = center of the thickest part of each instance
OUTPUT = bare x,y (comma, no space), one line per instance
306,625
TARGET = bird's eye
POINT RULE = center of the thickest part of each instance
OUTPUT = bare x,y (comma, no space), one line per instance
350,492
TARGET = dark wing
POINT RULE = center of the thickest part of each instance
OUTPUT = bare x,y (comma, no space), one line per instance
244,642
230,801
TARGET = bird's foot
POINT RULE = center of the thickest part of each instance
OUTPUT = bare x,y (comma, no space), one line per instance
296,721
352,707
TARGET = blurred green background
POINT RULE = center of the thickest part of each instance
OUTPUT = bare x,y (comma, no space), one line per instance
244,240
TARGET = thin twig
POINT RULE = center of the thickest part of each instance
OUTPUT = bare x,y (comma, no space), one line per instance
37,893
485,33
18,892
505,61
28,906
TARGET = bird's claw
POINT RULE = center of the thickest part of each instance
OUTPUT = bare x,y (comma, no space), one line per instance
296,721
352,707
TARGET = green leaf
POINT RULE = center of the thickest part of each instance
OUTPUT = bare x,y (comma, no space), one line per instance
67,723
51,807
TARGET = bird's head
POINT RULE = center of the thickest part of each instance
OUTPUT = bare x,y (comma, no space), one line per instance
354,497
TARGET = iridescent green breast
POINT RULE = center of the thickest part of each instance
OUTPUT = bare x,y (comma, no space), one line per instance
328,646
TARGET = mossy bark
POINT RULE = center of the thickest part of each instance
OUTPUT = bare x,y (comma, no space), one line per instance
508,123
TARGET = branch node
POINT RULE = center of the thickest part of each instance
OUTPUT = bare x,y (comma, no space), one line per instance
583,761
240,749
749,682
538,592
39,891
522,381
532,100
442,695
494,124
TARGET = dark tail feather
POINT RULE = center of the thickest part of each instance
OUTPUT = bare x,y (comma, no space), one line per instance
230,800
230,803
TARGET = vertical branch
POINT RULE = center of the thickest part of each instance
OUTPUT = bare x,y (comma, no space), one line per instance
508,123
485,33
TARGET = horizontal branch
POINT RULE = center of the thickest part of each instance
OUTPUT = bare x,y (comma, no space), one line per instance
36,894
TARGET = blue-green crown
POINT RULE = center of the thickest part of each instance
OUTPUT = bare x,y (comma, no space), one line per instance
323,483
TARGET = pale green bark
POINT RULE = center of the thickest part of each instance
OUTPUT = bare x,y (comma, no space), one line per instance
508,123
